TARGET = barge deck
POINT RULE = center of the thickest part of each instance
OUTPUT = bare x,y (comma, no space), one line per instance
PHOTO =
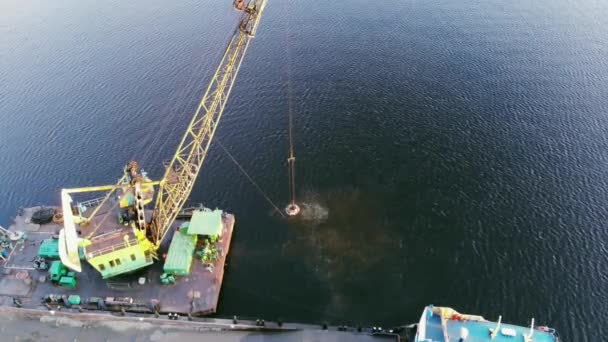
195,294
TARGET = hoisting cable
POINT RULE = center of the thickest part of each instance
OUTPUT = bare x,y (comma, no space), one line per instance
169,113
249,178
292,208
104,218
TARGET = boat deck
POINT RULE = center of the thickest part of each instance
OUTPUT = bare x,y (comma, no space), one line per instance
432,329
105,228
195,294
480,331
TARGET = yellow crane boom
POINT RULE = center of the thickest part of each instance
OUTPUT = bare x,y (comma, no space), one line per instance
136,246
179,178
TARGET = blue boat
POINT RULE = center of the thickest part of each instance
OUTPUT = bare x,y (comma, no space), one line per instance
442,324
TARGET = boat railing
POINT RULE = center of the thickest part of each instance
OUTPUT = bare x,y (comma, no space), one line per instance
92,202
113,248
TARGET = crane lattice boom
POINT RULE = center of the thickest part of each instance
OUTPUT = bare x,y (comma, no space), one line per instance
179,178
105,242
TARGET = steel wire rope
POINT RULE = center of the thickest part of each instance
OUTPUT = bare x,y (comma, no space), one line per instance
249,178
103,219
168,108
177,101
171,133
292,159
186,92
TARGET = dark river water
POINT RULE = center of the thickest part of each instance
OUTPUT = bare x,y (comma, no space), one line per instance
448,152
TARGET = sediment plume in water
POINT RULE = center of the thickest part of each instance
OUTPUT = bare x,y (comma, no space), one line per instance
313,212
341,235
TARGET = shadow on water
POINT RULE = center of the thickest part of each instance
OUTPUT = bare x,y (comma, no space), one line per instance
59,328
